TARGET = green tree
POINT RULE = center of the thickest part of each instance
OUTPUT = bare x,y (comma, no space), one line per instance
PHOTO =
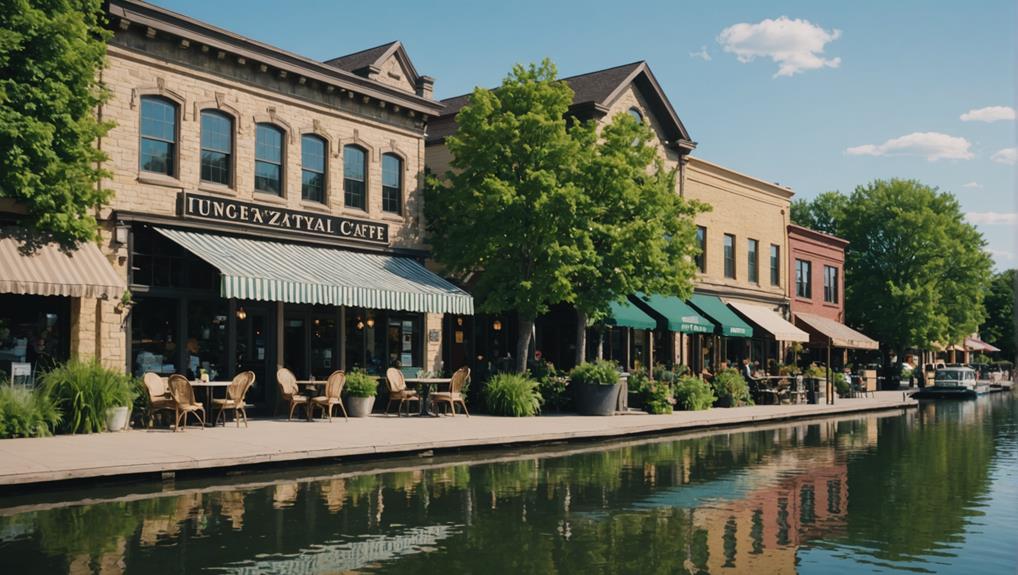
915,271
639,235
999,327
51,55
508,208
821,213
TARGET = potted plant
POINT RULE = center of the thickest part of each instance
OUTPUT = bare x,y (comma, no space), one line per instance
731,389
512,395
361,389
693,394
92,397
595,387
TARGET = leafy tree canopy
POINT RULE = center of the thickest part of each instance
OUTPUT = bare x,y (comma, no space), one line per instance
998,329
821,213
51,52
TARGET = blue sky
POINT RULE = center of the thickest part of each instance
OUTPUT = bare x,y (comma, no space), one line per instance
867,89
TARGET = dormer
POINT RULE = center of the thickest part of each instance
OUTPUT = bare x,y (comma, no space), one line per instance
388,64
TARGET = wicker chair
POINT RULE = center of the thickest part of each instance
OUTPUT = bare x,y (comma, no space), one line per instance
159,398
234,399
289,392
333,395
398,391
184,403
454,395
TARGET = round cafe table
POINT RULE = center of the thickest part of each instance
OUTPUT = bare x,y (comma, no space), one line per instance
209,387
423,385
311,392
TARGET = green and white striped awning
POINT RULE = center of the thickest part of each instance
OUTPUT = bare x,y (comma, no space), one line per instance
296,273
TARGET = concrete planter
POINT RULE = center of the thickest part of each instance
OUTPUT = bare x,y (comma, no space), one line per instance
359,406
117,418
595,399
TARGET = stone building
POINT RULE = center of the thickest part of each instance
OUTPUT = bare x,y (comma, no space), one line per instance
266,209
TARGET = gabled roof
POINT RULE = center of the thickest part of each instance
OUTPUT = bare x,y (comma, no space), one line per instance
360,63
593,94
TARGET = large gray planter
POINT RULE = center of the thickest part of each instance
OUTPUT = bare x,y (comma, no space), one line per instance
117,418
594,399
359,406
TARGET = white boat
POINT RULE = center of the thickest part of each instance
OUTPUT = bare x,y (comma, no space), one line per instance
953,382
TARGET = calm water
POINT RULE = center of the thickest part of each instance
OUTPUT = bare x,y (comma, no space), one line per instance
932,491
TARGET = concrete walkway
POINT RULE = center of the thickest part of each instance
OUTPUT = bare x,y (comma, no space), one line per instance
27,461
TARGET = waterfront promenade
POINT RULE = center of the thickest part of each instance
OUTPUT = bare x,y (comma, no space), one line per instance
152,452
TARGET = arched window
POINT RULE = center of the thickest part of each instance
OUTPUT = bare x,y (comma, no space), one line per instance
216,147
158,148
392,184
636,115
268,159
354,176
312,168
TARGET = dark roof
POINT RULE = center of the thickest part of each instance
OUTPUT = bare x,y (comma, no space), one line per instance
362,59
593,92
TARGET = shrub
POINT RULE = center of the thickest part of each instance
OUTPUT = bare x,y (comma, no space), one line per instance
638,381
26,413
84,390
360,384
657,398
731,389
551,384
600,372
694,394
841,384
512,395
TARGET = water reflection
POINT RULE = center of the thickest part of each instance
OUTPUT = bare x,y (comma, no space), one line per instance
898,491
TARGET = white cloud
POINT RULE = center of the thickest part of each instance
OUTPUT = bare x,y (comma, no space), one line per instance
973,185
795,45
992,218
1006,156
989,114
931,145
701,54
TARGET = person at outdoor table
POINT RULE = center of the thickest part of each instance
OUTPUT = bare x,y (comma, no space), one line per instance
747,371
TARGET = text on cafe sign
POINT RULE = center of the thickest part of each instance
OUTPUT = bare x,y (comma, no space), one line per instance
246,213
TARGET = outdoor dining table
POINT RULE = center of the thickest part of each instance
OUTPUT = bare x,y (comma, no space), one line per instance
423,385
781,383
311,387
210,386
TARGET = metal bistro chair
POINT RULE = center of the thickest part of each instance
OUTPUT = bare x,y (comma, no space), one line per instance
184,402
333,395
398,391
234,399
454,396
289,392
159,398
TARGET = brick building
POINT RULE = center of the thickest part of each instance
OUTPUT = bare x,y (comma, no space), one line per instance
266,210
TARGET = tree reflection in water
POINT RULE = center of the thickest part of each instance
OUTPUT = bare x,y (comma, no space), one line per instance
892,487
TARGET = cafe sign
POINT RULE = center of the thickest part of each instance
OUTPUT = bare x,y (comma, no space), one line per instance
250,214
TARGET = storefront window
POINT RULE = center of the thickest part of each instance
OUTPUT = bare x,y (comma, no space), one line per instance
404,342
376,341
324,336
355,325
33,329
154,336
206,338
159,262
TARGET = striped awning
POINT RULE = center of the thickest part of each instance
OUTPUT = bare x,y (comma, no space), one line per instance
769,321
296,273
50,270
834,332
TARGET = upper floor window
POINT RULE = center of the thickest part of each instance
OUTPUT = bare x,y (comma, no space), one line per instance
803,279
729,256
354,174
830,284
312,167
392,184
775,265
158,149
701,242
268,159
635,113
752,261
216,147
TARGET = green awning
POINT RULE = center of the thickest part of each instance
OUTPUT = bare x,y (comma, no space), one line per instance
730,324
678,315
297,273
625,314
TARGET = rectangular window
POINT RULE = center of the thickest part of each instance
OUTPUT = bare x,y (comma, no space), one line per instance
354,160
158,135
803,281
775,265
701,242
216,147
392,184
312,155
729,256
753,261
268,159
830,284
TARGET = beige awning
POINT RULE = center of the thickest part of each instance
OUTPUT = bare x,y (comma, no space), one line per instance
769,321
839,334
976,344
49,270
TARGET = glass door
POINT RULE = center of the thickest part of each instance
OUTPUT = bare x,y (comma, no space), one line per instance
255,350
295,344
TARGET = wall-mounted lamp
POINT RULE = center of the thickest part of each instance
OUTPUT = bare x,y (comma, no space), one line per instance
496,325
241,314
121,233
360,324
371,322
459,321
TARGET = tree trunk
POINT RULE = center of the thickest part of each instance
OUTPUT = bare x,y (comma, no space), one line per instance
600,343
525,328
581,336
